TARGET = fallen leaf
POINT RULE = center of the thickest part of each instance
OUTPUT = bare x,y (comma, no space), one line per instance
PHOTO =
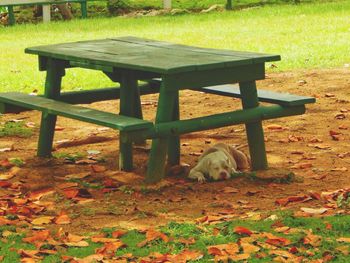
78,175
314,211
274,127
44,220
249,248
313,240
339,169
242,231
62,219
344,239
151,235
229,190
39,236
98,168
278,241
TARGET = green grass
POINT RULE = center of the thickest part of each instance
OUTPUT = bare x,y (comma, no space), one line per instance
306,36
15,129
204,238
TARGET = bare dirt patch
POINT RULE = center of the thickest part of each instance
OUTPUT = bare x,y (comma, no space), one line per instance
315,146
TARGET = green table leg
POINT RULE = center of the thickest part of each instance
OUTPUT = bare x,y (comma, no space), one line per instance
128,89
174,142
137,111
255,133
229,5
156,163
83,6
54,73
11,15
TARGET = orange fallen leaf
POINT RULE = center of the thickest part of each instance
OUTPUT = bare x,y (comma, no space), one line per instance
62,219
229,190
242,231
278,242
152,234
98,168
39,236
109,249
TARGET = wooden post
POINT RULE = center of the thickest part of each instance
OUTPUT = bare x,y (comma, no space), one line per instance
83,6
46,13
254,130
128,89
54,73
229,5
167,4
11,15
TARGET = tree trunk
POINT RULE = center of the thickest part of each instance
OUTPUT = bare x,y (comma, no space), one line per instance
65,11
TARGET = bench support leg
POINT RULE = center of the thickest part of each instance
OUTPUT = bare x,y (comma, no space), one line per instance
11,15
174,142
128,89
137,111
157,159
55,72
255,133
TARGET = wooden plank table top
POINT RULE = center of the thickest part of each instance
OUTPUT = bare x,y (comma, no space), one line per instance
149,55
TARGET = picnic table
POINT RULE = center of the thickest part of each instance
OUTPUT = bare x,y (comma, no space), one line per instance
164,68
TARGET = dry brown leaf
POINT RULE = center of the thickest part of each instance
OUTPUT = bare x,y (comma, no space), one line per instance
81,243
344,239
314,211
39,236
103,239
229,190
313,240
62,219
242,231
43,220
78,175
249,248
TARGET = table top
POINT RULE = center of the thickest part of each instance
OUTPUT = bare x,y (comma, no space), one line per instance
149,55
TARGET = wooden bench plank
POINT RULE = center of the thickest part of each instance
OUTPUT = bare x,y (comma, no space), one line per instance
284,99
122,123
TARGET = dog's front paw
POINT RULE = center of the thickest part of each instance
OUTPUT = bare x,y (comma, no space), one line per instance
197,175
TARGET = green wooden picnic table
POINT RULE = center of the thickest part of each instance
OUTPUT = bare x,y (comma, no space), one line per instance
166,68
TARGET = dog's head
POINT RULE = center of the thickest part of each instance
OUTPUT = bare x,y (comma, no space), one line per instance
219,166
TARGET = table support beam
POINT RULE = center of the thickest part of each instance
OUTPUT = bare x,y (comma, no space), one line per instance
216,121
254,130
128,93
55,72
165,113
174,141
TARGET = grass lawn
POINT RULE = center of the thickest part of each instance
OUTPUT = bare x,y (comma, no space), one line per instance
307,36
284,237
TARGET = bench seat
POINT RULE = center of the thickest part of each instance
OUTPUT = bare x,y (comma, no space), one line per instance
283,99
232,90
49,106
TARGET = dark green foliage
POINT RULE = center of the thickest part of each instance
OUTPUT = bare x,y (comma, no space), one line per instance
117,6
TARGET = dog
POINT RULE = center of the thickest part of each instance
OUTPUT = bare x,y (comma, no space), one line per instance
219,162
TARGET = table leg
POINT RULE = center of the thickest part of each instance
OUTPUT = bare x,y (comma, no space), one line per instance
174,141
54,73
137,111
156,163
255,133
128,89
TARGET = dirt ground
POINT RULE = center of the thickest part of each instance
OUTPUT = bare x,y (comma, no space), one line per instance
315,146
